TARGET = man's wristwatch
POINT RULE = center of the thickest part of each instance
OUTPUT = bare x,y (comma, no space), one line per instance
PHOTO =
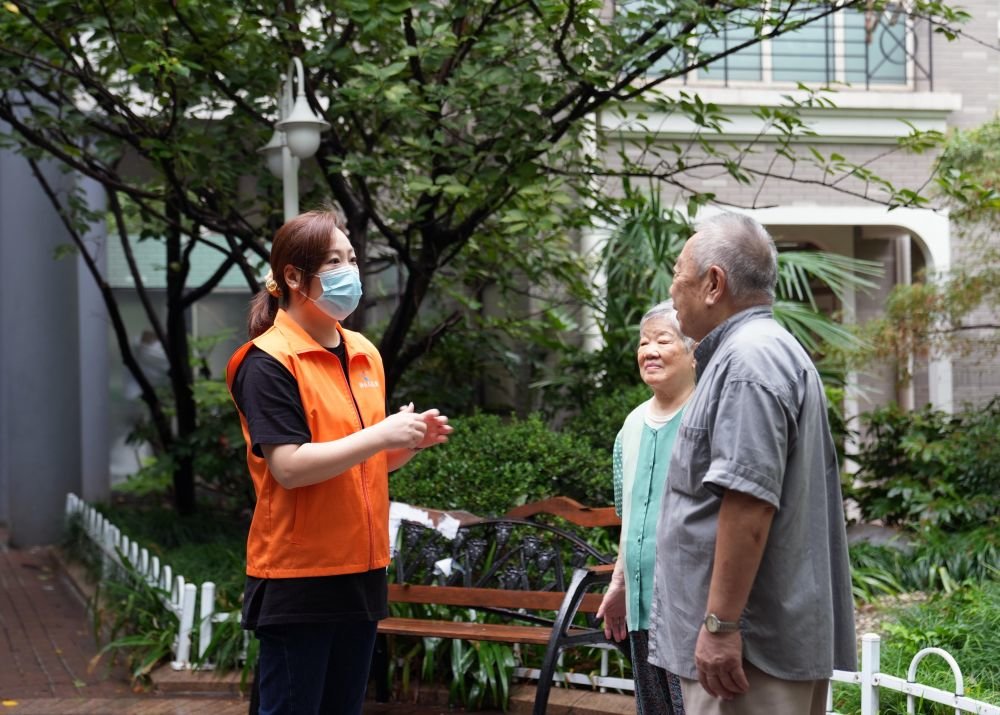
714,625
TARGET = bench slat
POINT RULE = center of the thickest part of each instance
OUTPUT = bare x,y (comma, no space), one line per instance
498,632
487,597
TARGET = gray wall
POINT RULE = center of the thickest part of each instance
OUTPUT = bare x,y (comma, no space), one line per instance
39,361
95,433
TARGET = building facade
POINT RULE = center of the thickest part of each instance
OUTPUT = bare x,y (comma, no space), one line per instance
65,401
891,73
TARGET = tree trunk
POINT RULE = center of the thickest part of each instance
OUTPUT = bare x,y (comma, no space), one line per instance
180,373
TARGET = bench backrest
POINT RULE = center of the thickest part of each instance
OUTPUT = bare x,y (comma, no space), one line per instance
522,560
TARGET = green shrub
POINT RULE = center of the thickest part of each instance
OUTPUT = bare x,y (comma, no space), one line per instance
491,465
205,546
600,419
935,560
929,468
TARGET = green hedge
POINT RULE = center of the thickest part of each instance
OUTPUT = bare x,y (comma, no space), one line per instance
492,464
599,421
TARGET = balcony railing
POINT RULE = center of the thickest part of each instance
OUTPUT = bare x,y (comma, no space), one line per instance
886,50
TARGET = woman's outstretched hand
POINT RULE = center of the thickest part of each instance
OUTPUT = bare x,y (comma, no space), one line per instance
438,428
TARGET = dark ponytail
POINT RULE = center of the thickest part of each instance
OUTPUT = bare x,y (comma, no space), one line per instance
263,308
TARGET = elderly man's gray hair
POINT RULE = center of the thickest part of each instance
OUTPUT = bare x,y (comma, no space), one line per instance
666,311
742,248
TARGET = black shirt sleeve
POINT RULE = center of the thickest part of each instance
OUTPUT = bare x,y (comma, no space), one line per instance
268,396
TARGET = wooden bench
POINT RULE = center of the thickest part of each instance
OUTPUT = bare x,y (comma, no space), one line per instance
534,575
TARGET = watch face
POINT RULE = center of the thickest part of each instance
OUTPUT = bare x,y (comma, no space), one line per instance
714,625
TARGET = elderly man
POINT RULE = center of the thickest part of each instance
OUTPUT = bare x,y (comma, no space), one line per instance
752,599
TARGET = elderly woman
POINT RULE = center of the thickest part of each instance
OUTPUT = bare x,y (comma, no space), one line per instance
641,458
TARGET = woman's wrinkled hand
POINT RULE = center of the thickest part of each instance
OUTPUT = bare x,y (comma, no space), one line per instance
612,610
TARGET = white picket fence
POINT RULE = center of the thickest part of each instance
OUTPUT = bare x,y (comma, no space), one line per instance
180,597
183,598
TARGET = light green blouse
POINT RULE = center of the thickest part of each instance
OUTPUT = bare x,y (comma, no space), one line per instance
641,459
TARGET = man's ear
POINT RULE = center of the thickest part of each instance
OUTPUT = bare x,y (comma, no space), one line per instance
716,285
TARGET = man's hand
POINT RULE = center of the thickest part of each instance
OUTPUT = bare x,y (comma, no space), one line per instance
719,660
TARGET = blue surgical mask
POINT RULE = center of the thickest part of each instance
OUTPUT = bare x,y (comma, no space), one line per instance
341,291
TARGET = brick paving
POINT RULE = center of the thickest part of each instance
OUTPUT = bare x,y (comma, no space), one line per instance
47,649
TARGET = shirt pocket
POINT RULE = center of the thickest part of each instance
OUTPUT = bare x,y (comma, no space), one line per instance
690,461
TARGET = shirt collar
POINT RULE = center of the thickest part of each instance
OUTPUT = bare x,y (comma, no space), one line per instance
710,343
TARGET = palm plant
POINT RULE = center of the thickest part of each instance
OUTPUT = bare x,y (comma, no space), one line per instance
639,256
637,261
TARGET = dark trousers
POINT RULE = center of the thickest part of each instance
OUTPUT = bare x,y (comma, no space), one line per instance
313,668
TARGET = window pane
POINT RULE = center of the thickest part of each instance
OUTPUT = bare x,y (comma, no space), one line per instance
804,55
881,61
742,66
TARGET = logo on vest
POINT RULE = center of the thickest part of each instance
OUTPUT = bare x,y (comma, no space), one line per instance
367,381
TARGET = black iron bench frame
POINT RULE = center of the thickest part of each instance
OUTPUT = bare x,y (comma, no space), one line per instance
526,575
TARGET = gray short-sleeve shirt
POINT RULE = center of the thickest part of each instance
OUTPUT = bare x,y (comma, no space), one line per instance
757,423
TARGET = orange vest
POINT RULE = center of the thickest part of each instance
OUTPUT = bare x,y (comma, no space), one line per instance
341,525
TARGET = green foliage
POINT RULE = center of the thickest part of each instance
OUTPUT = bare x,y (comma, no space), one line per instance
965,622
968,174
491,465
206,546
129,612
931,560
481,672
600,420
940,313
215,447
929,468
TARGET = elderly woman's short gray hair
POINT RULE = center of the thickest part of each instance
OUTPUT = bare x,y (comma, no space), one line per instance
666,311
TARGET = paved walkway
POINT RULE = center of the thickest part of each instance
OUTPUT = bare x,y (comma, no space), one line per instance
47,650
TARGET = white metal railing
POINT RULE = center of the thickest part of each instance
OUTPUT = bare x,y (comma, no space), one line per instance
871,681
183,597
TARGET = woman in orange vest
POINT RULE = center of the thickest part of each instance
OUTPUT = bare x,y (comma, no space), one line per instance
311,399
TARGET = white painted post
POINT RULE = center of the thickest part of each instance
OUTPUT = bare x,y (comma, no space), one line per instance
183,654
207,611
870,665
177,595
107,548
154,572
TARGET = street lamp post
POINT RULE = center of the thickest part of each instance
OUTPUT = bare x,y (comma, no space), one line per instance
296,136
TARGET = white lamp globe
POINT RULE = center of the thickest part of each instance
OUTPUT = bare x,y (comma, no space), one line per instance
272,154
302,129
